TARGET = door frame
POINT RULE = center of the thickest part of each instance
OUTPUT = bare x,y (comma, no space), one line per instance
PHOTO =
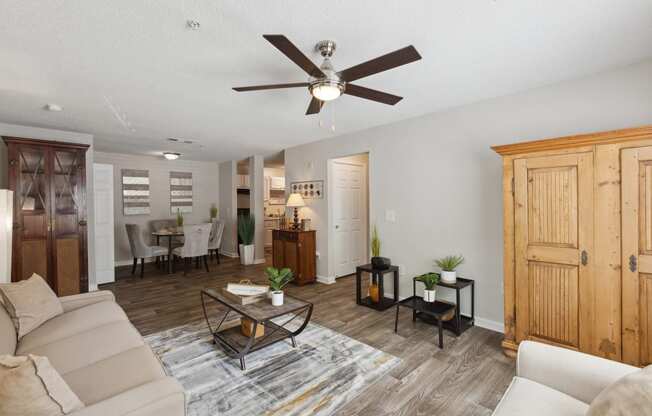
99,279
330,204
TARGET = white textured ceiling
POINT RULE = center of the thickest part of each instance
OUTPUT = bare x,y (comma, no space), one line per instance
121,63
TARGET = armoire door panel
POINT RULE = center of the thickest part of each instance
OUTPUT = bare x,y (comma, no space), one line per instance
34,259
553,228
645,311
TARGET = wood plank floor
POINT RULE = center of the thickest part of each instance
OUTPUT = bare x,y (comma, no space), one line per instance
467,377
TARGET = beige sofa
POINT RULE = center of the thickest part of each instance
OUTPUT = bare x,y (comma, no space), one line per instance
101,356
557,381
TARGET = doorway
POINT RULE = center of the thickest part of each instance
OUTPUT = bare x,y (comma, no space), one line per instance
348,213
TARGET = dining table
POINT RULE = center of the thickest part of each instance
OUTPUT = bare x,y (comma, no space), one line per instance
169,234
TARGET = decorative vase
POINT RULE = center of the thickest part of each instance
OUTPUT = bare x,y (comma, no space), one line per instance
449,276
246,254
380,263
429,295
374,293
277,298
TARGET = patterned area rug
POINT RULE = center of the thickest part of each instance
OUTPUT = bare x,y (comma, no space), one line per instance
324,371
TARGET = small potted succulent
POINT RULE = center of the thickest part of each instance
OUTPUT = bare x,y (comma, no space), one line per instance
377,262
430,281
179,219
214,212
277,281
448,265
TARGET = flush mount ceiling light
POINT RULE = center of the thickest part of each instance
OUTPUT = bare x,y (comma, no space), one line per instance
171,155
326,84
53,107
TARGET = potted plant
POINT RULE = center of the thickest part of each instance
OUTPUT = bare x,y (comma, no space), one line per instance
377,262
277,281
214,212
179,219
430,281
246,230
448,265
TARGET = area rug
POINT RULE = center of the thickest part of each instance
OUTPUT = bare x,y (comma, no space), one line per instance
324,371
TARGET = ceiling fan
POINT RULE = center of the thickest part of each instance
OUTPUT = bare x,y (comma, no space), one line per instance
326,84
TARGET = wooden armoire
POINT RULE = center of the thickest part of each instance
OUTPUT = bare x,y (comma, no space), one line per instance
49,238
578,243
296,250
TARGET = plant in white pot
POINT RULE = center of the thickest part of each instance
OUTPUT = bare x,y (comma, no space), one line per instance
448,265
277,281
246,231
430,281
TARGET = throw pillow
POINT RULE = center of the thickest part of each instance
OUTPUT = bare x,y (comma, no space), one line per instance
628,396
30,386
30,303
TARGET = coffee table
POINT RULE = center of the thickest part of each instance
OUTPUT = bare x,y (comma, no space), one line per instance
260,313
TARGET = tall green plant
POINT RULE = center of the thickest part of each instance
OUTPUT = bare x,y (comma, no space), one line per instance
246,229
449,263
278,278
179,218
375,243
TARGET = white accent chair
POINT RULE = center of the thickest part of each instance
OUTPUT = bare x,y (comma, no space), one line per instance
215,241
195,246
140,250
557,381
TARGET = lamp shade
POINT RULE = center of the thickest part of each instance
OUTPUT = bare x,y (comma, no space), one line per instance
295,200
6,227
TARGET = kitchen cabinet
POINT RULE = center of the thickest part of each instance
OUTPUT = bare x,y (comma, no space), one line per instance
243,181
278,183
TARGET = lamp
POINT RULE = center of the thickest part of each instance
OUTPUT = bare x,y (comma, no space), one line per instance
6,226
296,201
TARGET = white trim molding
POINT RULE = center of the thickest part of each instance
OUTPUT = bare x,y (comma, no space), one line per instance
327,280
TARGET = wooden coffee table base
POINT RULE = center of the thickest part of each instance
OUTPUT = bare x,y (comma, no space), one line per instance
259,313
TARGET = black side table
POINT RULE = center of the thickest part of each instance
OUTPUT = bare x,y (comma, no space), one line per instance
378,275
431,312
460,323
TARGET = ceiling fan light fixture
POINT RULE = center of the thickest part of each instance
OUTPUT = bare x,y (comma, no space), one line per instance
171,155
326,90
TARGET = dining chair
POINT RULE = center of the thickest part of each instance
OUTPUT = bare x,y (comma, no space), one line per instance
215,241
140,250
158,225
195,246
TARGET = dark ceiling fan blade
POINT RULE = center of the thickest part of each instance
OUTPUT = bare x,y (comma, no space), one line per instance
315,106
373,95
271,86
380,64
284,45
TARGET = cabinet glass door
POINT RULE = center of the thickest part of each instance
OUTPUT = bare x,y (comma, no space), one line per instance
32,205
67,200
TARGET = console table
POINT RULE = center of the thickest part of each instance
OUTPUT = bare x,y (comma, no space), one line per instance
378,275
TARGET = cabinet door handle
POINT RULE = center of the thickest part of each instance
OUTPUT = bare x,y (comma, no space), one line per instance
584,258
632,263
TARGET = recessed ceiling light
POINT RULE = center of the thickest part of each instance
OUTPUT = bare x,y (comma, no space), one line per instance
171,155
53,107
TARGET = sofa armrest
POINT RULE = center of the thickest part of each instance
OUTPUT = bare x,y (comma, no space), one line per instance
72,302
576,374
162,397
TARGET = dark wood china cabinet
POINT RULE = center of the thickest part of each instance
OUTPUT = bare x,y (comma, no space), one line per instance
49,183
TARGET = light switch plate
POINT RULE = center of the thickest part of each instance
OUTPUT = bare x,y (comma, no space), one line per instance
390,215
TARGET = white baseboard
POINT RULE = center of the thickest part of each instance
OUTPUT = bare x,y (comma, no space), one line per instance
229,254
259,261
130,262
327,280
489,324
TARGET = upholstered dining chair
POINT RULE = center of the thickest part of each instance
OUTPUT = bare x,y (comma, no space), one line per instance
215,241
195,245
140,250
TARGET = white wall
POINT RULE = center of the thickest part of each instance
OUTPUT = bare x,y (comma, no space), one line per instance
205,183
444,183
228,207
14,130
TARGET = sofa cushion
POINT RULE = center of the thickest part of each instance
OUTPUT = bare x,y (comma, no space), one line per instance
29,386
629,396
30,303
88,347
8,336
526,397
115,374
72,323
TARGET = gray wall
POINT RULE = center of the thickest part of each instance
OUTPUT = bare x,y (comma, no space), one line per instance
444,183
205,180
228,207
61,136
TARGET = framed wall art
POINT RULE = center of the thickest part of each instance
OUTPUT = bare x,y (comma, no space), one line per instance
135,192
180,192
308,189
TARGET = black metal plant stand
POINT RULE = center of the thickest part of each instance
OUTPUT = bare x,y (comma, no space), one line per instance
377,275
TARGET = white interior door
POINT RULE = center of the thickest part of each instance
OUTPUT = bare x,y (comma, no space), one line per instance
104,229
349,216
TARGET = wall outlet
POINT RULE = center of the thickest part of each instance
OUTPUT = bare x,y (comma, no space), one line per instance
390,215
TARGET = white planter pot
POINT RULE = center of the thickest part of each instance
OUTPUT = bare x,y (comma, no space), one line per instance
449,277
277,298
246,254
429,295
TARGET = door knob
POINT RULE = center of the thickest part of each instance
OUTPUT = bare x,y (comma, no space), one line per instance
337,227
632,263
